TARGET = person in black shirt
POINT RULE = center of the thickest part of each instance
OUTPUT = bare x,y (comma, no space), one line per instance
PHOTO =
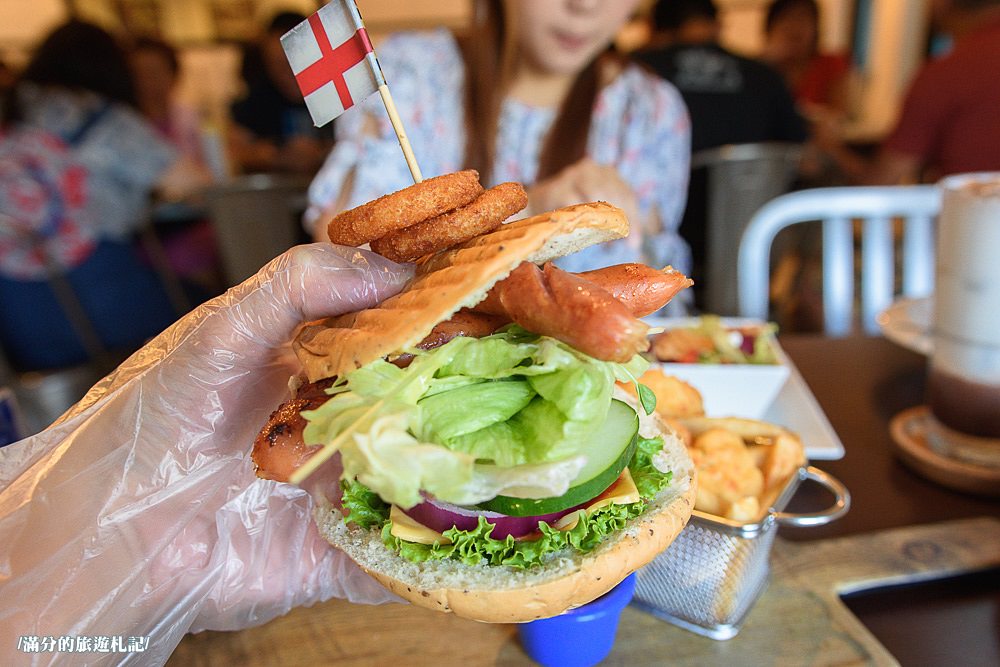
731,99
272,130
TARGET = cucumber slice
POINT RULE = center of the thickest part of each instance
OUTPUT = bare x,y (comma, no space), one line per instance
608,451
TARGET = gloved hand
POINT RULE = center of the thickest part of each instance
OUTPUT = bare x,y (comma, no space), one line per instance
138,513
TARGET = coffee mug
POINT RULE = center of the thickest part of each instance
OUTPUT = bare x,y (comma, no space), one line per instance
964,373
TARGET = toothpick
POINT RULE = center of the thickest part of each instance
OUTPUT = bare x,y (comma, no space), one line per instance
397,125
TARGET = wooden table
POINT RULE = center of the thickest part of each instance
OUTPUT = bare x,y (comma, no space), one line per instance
861,383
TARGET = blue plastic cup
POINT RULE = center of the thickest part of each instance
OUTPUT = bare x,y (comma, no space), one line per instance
579,637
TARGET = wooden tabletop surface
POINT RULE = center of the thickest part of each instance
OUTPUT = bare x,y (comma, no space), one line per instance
900,527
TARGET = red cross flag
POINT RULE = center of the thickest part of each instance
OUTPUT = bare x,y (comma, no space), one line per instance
333,60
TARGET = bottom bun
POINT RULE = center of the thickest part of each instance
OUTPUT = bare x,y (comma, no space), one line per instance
502,594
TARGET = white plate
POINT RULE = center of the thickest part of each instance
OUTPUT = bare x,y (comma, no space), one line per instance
796,409
730,390
733,390
907,322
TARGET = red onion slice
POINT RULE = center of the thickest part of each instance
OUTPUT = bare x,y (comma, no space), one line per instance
441,516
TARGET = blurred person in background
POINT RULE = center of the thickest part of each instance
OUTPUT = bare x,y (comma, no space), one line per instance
731,100
156,70
187,235
950,119
271,128
819,81
78,165
532,94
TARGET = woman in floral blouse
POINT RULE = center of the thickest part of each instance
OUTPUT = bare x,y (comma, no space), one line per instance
530,93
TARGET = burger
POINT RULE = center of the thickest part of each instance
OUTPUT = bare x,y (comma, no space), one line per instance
489,462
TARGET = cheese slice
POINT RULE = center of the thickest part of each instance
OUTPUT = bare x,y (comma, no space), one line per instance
622,492
406,528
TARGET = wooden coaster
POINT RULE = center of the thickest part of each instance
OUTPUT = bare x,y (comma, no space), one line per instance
910,430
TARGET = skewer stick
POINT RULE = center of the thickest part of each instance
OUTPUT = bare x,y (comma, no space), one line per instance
329,449
397,125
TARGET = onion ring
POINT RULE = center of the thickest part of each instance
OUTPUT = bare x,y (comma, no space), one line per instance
482,216
404,208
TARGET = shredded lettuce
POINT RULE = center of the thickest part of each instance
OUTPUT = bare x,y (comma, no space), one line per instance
467,409
469,419
729,343
475,546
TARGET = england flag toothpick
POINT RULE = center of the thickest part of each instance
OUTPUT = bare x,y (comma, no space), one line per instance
336,67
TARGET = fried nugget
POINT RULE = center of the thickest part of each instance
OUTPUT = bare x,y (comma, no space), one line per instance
675,398
727,472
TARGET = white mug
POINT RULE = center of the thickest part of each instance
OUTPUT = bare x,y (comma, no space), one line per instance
964,377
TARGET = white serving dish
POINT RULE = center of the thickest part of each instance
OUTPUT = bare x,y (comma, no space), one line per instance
772,393
732,390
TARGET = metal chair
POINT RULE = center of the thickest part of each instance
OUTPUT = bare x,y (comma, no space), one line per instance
837,209
741,178
255,219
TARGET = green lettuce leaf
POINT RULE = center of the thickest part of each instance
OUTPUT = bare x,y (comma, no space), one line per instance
372,379
648,479
491,357
468,418
362,506
467,409
578,390
646,397
388,459
475,546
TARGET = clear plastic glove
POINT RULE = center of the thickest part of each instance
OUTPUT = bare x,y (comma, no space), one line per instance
138,513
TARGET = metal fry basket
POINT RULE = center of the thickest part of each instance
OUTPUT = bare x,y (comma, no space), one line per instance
714,571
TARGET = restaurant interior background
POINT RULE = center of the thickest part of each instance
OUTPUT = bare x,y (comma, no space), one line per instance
208,32
210,36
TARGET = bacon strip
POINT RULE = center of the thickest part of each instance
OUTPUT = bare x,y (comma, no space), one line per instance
278,450
462,323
